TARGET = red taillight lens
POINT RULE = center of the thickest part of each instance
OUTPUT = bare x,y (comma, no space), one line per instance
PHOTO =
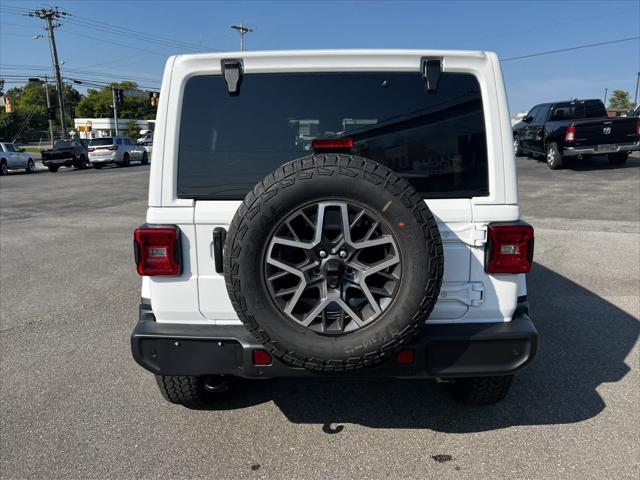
638,128
570,136
157,250
114,147
90,149
262,358
509,248
406,357
320,144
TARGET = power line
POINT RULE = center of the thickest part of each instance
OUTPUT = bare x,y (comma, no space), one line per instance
539,54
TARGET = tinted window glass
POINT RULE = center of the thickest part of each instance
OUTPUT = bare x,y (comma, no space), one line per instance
61,144
9,147
229,143
101,141
118,141
578,109
541,114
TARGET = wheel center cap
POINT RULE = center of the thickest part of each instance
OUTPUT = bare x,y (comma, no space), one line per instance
333,269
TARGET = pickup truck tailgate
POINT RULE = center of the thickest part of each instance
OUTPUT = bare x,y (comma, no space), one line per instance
602,131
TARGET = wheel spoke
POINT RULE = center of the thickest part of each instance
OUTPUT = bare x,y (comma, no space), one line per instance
331,294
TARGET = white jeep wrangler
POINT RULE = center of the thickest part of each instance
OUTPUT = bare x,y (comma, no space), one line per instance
333,213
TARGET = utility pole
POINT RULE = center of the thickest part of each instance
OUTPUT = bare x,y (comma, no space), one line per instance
605,97
635,98
46,89
243,30
115,108
50,16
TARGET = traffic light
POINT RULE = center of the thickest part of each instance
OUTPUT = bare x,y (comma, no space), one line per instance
119,94
153,97
7,105
51,113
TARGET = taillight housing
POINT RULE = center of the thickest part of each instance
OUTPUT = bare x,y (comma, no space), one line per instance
157,250
90,149
570,135
331,144
509,248
638,128
112,147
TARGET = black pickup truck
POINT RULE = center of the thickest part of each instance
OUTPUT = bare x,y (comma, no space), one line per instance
67,153
575,129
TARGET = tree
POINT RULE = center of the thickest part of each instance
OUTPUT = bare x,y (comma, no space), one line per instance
133,130
30,100
97,104
620,99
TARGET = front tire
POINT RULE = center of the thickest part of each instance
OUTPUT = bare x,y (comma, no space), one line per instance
481,390
619,158
191,392
31,167
82,163
53,168
517,149
554,157
145,158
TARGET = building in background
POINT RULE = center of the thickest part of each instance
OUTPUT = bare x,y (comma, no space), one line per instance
106,127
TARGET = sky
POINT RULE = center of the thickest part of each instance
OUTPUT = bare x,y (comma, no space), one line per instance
511,28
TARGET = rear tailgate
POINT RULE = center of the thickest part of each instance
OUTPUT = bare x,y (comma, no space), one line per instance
605,131
61,154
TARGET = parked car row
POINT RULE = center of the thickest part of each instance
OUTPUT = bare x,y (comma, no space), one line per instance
575,129
78,153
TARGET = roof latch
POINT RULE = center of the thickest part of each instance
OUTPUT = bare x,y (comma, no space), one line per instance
232,71
431,72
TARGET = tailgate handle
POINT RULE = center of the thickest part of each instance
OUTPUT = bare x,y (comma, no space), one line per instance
219,237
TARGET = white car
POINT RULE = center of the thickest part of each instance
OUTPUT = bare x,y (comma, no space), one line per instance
116,150
387,244
13,157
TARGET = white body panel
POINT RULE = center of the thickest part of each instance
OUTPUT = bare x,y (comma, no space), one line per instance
468,295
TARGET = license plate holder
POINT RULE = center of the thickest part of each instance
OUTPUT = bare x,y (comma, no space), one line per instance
605,146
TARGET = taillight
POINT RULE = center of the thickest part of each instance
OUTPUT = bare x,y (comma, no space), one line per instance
262,358
90,149
509,248
157,250
323,144
638,127
113,147
570,136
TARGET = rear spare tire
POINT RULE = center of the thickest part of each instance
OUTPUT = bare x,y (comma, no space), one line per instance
333,261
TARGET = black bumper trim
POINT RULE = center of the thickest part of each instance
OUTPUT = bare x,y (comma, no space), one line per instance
441,350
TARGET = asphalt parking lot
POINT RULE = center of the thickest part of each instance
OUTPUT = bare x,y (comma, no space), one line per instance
73,404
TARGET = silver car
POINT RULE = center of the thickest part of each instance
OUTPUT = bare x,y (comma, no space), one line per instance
116,150
13,157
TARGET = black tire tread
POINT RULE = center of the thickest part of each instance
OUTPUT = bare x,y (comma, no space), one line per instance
481,390
183,390
351,166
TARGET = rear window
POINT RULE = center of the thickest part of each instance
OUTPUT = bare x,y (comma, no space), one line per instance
435,140
578,109
101,141
62,144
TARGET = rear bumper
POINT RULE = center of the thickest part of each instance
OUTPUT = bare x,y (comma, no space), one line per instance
593,149
58,161
441,351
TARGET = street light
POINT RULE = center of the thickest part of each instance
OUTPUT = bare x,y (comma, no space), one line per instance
35,37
